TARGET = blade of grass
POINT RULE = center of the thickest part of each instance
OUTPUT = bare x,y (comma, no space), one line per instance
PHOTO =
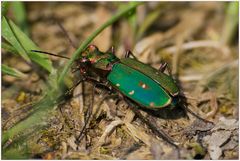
11,71
131,17
84,45
20,15
23,145
148,22
43,108
9,48
23,44
231,22
8,34
133,22
4,7
30,45
16,153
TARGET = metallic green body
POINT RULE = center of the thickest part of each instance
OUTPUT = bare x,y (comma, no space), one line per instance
145,85
137,86
98,59
161,78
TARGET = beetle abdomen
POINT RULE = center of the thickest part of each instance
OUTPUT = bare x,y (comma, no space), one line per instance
138,87
161,78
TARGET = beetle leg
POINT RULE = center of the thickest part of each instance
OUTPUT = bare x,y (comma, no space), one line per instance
88,116
74,69
129,53
195,115
103,85
153,127
117,102
74,86
91,79
120,98
111,50
163,66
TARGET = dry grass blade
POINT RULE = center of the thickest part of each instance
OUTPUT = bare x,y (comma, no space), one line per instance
109,129
138,133
201,44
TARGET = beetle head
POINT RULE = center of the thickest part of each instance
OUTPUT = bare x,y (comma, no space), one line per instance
95,60
88,58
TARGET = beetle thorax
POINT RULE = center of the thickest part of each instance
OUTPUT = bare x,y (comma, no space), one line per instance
93,60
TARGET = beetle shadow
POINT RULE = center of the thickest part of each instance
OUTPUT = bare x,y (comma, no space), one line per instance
179,111
167,113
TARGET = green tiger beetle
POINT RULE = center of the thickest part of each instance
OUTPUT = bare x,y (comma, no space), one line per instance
144,85
138,83
148,87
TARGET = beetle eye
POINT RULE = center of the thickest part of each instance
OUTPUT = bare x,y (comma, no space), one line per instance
92,48
84,60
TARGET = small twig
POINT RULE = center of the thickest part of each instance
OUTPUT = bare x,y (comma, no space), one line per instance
190,78
214,105
177,55
109,129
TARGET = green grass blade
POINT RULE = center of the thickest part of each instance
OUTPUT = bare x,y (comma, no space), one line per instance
231,22
16,153
11,71
9,48
20,15
30,45
23,44
148,22
4,7
84,45
9,35
42,111
133,20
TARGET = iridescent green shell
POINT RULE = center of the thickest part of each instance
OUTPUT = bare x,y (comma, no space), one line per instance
162,79
138,87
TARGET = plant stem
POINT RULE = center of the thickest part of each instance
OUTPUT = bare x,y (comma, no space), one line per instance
92,36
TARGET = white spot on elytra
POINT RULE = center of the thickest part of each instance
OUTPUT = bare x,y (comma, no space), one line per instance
143,85
131,93
151,104
118,85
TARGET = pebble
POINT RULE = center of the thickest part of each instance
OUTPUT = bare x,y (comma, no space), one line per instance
9,79
23,67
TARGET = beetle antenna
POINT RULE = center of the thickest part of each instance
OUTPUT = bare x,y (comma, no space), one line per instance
66,34
44,52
